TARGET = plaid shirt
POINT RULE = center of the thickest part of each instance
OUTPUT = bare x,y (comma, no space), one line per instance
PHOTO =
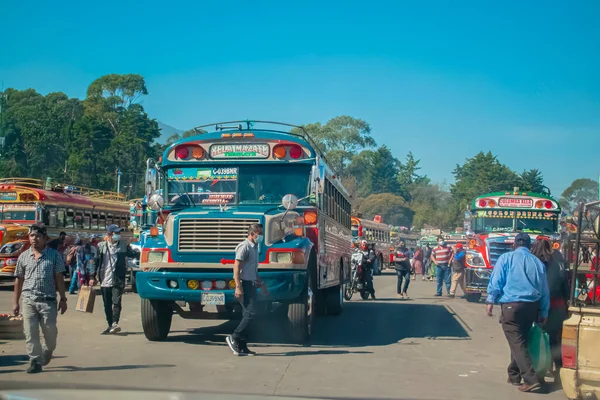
38,276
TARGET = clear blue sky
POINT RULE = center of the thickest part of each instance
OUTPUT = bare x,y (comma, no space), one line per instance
445,79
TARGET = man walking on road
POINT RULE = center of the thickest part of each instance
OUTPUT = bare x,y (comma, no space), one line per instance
110,269
519,284
39,274
245,274
458,270
427,261
442,257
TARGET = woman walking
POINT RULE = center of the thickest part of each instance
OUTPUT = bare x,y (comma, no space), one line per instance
559,292
418,267
402,265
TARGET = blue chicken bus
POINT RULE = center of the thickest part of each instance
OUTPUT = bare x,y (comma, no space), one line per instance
214,186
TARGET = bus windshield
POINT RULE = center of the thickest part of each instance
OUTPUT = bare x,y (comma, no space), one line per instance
529,225
246,184
20,215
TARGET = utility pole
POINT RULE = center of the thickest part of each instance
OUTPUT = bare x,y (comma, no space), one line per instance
118,180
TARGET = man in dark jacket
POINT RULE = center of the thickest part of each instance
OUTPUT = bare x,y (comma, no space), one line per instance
110,268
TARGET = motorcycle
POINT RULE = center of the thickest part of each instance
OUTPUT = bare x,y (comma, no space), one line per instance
357,282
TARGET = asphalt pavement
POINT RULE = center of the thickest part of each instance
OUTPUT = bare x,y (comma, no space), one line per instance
422,348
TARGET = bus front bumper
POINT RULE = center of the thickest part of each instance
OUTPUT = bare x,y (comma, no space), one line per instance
477,279
283,286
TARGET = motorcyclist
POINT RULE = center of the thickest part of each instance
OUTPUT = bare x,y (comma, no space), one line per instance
369,257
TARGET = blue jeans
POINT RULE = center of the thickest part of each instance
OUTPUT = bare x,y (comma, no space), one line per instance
74,280
444,275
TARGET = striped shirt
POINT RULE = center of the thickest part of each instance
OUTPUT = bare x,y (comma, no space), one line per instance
442,255
38,275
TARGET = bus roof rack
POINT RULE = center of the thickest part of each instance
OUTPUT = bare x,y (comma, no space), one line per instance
249,124
51,185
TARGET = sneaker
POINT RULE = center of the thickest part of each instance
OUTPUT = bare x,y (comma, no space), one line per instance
34,367
106,331
373,296
115,328
451,296
233,345
530,388
245,350
438,295
46,357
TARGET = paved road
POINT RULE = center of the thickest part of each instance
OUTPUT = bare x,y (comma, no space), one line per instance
423,348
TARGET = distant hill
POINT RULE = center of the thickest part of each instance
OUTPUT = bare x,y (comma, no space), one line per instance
166,131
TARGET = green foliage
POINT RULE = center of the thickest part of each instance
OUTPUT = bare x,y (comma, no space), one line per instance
341,138
393,208
581,190
481,174
381,173
80,142
532,181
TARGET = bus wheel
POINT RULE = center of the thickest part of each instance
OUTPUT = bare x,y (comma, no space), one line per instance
473,297
156,319
301,313
133,283
335,297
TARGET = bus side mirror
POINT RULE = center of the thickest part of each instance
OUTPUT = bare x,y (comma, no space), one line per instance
151,178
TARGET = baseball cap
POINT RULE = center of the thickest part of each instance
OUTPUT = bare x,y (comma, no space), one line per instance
523,239
114,229
459,245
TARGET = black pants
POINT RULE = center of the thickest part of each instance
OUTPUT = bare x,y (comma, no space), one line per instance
249,312
403,274
368,278
516,320
112,303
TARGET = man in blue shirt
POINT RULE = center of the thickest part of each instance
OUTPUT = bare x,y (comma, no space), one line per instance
518,283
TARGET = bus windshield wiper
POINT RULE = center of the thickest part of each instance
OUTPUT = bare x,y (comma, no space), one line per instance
182,192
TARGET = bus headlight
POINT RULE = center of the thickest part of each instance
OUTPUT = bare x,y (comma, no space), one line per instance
475,259
287,257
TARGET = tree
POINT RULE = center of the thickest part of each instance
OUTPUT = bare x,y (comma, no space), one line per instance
408,176
393,209
341,138
532,181
381,173
176,137
581,190
478,175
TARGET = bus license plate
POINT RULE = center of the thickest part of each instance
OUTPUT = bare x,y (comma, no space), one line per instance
213,299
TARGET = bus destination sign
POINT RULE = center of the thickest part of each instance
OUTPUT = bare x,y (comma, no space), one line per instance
515,202
246,150
8,196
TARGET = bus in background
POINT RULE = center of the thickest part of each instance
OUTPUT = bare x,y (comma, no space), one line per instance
215,186
377,234
495,219
453,238
77,211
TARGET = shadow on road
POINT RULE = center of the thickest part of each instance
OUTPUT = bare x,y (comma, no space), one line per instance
13,361
72,368
363,324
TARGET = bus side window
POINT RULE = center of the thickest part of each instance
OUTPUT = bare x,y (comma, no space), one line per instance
79,219
87,218
102,221
52,217
109,219
94,220
70,219
61,218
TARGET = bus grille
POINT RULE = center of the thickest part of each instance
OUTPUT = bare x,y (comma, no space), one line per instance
496,249
212,235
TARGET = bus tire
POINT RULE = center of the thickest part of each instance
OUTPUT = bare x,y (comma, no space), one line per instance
133,282
301,313
473,297
156,319
335,296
